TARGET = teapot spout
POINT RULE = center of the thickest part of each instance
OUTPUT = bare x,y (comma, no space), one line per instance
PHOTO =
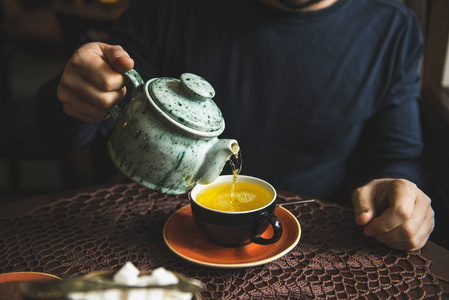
215,160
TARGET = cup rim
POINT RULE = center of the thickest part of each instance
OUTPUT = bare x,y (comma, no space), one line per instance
226,178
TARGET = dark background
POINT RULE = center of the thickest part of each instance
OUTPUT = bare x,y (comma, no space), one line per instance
37,38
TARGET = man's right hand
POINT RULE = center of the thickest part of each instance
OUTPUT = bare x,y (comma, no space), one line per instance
92,81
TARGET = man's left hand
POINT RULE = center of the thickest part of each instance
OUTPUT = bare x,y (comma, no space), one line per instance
395,212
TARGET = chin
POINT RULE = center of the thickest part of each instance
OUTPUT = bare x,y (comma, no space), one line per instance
298,4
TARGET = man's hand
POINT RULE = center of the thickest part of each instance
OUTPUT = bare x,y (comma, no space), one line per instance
92,81
395,212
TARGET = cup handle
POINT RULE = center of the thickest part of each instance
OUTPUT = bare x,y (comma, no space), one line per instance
275,224
138,83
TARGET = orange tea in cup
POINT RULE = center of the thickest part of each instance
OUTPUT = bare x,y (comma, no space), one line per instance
245,197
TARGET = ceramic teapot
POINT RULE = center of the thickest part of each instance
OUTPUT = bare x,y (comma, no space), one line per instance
166,137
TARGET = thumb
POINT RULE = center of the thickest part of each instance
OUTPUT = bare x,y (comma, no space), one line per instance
363,202
117,58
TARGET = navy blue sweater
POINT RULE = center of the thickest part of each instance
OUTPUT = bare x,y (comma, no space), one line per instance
314,98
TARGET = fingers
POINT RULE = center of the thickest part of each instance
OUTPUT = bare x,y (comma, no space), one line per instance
83,89
93,62
407,218
413,234
81,104
117,57
103,65
400,196
92,81
364,209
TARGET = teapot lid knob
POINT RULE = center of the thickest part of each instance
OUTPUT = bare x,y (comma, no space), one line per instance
197,86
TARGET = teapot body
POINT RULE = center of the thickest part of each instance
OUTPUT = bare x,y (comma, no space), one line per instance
158,153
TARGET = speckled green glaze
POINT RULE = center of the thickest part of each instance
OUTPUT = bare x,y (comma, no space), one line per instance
166,137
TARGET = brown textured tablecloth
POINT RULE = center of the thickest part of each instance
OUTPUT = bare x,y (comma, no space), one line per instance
104,227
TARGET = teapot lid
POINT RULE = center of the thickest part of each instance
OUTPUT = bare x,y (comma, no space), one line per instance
188,101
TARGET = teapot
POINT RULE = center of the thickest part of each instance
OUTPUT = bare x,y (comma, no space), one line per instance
166,137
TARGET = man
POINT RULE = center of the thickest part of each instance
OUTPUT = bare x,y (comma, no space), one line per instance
316,92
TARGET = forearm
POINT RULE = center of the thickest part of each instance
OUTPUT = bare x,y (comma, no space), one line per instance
395,146
59,130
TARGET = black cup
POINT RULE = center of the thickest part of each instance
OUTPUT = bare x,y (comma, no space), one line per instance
233,229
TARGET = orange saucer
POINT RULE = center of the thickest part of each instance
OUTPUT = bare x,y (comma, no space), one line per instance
185,239
10,283
25,276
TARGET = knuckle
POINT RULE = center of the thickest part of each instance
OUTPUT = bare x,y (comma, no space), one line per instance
427,201
65,81
377,180
122,93
77,57
357,192
103,100
431,214
115,48
107,83
414,244
401,183
408,233
62,94
403,213
431,227
68,111
82,49
106,100
119,95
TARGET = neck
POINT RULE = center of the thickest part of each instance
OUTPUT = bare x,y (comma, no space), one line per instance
278,4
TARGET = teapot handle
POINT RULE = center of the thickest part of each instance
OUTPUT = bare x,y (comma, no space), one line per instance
138,83
135,78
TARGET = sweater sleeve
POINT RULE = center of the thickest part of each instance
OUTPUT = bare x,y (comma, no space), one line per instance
394,145
59,130
65,133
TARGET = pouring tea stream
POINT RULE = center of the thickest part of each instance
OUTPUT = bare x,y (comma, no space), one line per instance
166,138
